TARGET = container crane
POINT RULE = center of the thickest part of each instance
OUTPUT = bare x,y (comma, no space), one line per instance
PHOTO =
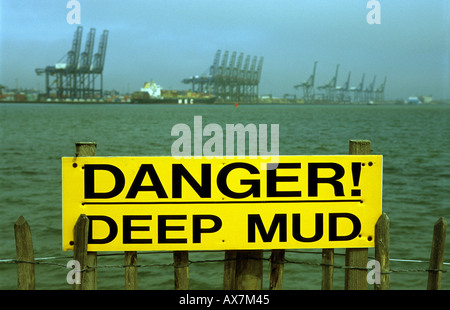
99,57
230,80
308,86
84,69
249,75
248,79
213,70
379,92
67,71
86,56
99,62
215,65
235,89
342,94
230,67
358,90
223,65
72,73
237,68
220,79
205,82
227,76
71,57
243,71
255,80
330,87
369,91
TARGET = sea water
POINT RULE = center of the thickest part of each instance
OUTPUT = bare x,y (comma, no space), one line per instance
414,141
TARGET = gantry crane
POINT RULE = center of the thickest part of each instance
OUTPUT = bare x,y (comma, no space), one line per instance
99,62
71,77
308,87
84,69
229,80
369,91
330,88
358,91
228,88
379,92
242,78
342,92
235,89
257,78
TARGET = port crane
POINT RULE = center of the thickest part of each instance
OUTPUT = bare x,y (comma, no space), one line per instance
235,89
214,67
248,79
206,83
342,92
330,93
86,56
308,86
64,73
358,90
73,76
229,80
379,92
99,62
84,79
237,68
255,80
220,77
369,91
241,78
330,87
227,76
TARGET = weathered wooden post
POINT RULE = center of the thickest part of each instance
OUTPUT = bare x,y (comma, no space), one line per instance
243,270
249,269
25,255
382,251
131,280
276,269
229,270
83,149
181,269
80,243
356,279
327,269
437,255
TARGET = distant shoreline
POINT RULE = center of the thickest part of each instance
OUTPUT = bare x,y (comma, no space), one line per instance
439,102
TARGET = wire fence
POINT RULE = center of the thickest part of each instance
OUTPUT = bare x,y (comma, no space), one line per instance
51,261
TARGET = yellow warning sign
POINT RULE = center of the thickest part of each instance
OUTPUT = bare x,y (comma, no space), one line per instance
163,203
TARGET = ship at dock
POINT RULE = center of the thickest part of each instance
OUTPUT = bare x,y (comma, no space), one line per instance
153,93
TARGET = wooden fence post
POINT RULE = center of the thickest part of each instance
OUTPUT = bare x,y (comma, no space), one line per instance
327,269
181,269
25,253
382,251
80,243
131,282
276,269
83,149
437,255
356,279
249,269
229,270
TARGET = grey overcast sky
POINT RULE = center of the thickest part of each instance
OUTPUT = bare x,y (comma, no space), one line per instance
168,40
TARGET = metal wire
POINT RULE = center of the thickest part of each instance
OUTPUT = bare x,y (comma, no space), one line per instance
46,261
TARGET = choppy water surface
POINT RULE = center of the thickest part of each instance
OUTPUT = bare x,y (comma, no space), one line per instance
414,141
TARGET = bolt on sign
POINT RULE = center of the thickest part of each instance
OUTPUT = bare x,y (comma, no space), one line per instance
164,203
